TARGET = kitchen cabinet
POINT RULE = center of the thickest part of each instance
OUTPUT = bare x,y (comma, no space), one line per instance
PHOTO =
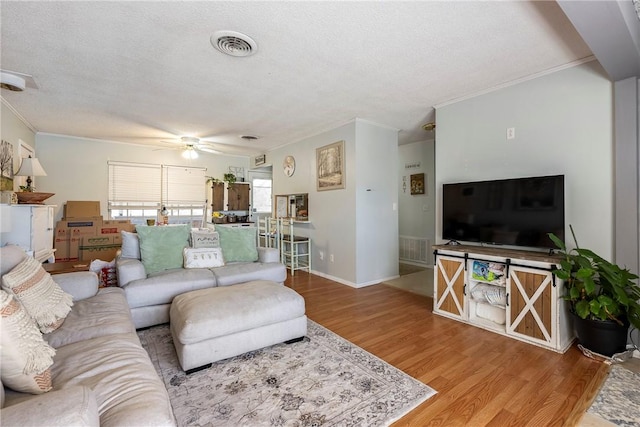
238,197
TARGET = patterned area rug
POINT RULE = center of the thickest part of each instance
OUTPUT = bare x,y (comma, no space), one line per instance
618,400
322,380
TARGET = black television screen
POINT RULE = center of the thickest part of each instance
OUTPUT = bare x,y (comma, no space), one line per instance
517,212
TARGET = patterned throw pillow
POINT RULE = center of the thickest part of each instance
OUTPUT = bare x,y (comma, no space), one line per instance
25,357
203,257
43,299
204,238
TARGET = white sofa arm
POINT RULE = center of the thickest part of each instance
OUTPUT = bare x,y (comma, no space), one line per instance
73,406
268,255
128,270
81,285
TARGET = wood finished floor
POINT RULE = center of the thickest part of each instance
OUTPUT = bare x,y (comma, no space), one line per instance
482,378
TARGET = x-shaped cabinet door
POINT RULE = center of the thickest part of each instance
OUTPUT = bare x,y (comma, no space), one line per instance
530,311
450,287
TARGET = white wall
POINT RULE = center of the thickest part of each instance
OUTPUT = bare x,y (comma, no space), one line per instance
13,129
337,216
77,167
563,125
376,214
417,213
332,213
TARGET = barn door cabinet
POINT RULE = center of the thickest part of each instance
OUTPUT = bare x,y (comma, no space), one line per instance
510,292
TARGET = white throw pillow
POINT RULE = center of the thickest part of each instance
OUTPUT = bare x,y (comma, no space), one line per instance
203,257
205,238
25,357
43,299
130,245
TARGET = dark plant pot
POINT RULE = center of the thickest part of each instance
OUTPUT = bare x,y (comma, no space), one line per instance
604,337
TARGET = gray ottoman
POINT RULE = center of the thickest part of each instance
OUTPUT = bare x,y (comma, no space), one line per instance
212,324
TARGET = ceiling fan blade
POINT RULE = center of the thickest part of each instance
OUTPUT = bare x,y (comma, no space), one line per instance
207,148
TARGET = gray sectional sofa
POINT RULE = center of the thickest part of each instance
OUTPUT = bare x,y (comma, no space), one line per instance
100,375
150,296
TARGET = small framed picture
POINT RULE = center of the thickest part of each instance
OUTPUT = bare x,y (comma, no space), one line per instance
417,184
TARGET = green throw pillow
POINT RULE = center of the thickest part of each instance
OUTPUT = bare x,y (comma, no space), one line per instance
161,247
238,243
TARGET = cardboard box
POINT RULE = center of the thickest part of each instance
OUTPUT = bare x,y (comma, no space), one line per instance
114,226
104,253
67,248
82,209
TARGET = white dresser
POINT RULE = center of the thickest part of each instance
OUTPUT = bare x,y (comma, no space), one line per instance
31,228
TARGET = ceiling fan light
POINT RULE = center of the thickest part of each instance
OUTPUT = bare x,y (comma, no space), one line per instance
190,153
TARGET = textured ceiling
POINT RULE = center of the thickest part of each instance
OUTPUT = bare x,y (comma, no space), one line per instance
145,72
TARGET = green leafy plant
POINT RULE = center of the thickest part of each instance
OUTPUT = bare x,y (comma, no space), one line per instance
212,180
230,178
597,288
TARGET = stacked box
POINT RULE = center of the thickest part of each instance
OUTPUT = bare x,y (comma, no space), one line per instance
85,238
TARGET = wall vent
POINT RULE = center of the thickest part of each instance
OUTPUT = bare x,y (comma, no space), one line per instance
415,249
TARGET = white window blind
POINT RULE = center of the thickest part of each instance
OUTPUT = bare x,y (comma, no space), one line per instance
134,183
183,186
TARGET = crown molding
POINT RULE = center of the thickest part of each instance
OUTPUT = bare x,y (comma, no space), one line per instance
18,115
517,81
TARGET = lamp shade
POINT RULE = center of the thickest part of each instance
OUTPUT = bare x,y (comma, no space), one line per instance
31,167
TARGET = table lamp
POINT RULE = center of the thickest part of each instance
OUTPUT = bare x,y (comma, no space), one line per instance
30,167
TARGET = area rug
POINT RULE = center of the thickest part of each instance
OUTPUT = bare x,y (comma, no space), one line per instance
618,401
321,380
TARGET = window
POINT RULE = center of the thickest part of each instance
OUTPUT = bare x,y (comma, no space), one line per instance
261,195
139,191
183,194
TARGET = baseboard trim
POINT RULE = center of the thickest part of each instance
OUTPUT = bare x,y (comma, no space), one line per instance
351,284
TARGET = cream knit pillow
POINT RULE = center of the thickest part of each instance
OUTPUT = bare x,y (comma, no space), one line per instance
43,299
24,355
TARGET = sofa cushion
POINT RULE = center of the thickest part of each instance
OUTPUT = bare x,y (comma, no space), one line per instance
241,272
103,314
24,356
203,257
205,238
238,243
118,370
161,288
161,247
10,256
130,245
73,406
43,299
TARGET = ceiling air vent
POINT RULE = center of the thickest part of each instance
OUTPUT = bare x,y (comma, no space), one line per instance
234,43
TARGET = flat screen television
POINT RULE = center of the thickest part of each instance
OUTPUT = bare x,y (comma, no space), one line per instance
518,212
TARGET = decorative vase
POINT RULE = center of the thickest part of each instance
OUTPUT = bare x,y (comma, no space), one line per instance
604,337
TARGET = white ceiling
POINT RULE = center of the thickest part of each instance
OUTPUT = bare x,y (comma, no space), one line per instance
144,72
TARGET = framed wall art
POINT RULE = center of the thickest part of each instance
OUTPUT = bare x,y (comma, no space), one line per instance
417,184
6,166
330,167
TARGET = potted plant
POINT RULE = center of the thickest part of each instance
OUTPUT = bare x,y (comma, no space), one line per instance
603,297
230,178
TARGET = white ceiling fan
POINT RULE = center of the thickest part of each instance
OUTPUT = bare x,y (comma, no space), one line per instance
193,145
